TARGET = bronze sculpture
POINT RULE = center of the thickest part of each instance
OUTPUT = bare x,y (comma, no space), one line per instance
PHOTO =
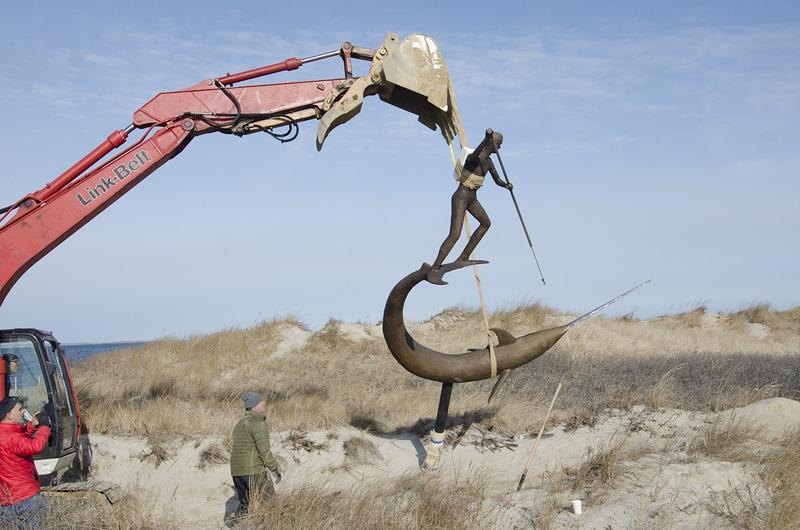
474,365
470,173
424,362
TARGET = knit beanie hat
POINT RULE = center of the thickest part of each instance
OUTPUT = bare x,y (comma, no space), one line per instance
6,405
251,399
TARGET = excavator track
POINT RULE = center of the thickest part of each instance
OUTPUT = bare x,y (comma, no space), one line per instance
112,493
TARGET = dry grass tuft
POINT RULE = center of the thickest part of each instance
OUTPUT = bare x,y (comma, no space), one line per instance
160,448
215,454
527,314
694,318
547,504
772,502
757,314
723,439
764,315
545,511
783,482
602,468
581,418
489,439
359,450
299,441
744,507
661,519
413,502
132,513
664,393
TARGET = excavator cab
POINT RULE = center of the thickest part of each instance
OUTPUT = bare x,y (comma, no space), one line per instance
34,369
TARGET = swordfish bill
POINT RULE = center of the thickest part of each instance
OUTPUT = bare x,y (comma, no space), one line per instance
474,365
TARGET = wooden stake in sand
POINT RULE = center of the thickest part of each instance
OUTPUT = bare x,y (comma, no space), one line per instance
536,445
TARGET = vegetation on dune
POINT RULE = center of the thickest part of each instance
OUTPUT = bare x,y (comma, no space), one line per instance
90,513
336,377
359,450
772,501
783,483
410,502
344,375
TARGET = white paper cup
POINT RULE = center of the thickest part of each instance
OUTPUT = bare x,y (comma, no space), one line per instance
577,507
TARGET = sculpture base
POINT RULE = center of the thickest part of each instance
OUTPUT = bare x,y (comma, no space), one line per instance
433,452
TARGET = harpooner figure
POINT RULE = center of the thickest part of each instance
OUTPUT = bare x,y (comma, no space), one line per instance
470,172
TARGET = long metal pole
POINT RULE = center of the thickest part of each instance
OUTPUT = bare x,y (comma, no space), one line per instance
603,306
519,213
536,445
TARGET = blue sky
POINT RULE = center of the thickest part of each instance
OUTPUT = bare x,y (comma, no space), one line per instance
644,140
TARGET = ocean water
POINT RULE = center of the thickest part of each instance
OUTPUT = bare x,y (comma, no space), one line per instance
81,352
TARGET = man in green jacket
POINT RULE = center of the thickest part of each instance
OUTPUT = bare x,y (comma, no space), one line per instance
251,455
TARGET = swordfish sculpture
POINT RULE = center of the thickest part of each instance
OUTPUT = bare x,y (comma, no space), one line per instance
475,365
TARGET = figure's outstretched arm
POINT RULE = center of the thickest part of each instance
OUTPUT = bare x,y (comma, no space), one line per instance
495,176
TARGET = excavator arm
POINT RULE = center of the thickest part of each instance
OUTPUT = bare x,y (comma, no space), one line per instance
410,74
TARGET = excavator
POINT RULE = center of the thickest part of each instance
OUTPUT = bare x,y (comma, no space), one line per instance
410,74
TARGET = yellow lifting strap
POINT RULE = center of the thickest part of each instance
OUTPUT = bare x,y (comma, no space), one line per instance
492,357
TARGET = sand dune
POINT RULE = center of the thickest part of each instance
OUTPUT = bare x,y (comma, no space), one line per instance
682,421
660,478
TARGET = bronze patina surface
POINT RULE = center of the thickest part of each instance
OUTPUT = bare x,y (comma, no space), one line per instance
465,199
456,368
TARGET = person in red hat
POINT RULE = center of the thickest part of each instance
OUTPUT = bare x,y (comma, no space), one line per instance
21,501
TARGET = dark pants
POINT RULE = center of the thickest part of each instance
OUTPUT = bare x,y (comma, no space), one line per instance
463,200
252,486
24,514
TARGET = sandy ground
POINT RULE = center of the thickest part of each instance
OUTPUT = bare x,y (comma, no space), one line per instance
292,338
662,487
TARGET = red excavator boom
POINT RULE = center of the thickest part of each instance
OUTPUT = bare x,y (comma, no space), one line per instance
40,221
33,367
45,218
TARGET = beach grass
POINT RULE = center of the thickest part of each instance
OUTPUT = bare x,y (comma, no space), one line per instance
192,386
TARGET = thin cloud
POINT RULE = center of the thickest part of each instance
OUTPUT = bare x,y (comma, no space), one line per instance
624,72
111,61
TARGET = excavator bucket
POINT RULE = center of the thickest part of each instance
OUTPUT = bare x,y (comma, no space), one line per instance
411,75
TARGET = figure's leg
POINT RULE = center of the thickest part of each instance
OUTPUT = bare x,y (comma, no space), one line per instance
458,207
478,213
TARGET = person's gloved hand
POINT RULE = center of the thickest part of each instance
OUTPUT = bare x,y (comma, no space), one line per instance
278,477
509,186
43,419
